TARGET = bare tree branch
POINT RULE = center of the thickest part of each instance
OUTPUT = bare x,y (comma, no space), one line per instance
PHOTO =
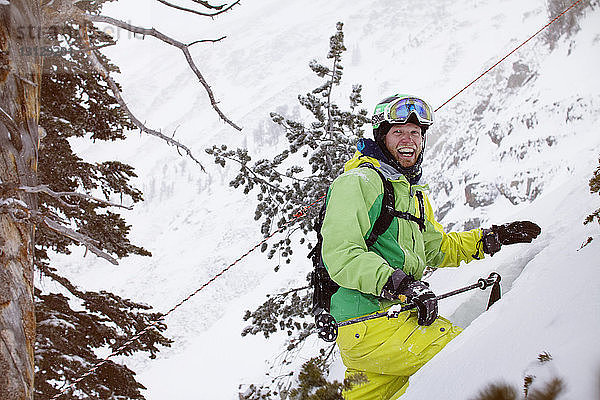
206,40
58,195
208,5
92,48
284,294
205,4
182,46
117,93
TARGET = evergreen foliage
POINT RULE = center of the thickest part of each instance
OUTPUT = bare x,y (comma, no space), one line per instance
283,187
73,325
283,311
498,391
284,184
594,188
503,391
327,142
312,384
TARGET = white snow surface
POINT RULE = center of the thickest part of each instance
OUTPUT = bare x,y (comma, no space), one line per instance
195,225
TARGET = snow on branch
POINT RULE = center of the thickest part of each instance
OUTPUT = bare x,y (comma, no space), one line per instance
59,195
205,4
181,46
86,241
117,93
19,212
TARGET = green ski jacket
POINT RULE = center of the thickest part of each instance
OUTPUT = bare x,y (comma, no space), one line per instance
354,202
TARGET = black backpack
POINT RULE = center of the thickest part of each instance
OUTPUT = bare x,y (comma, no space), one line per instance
320,281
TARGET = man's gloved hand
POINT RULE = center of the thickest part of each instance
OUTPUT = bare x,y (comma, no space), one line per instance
416,292
513,232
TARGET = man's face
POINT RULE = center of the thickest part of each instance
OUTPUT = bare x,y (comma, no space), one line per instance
405,143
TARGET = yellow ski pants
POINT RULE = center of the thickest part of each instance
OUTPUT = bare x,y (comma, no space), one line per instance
388,351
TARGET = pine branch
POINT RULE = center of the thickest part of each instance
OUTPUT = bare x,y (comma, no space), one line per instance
19,212
64,282
59,195
259,179
284,294
328,104
84,240
205,4
181,46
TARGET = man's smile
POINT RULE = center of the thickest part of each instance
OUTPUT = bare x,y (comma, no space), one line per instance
406,151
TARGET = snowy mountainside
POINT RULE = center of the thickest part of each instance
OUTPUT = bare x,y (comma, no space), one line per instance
520,144
526,153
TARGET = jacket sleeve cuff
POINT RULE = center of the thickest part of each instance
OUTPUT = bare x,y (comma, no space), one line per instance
383,280
479,253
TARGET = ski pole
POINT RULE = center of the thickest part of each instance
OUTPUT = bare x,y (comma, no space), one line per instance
328,328
481,284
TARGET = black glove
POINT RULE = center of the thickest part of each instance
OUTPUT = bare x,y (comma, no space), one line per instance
416,292
513,232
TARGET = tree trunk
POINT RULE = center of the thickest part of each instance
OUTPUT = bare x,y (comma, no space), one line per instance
20,78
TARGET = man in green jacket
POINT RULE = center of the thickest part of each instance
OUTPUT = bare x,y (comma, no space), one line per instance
372,278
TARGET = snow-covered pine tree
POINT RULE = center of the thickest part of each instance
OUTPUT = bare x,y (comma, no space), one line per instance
55,86
73,325
284,184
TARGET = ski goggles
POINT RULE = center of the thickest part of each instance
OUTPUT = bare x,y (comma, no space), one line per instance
398,112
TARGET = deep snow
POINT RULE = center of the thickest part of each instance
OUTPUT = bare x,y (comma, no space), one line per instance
195,225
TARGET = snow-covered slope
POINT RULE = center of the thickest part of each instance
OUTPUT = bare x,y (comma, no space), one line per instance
520,144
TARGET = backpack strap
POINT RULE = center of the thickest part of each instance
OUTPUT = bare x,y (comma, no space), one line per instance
418,220
388,210
386,216
315,253
421,219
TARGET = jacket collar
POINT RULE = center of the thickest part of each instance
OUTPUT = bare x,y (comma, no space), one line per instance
370,152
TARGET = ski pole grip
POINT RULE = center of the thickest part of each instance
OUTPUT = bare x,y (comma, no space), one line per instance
494,278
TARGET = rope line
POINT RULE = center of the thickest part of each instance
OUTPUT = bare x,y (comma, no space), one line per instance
506,56
296,216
